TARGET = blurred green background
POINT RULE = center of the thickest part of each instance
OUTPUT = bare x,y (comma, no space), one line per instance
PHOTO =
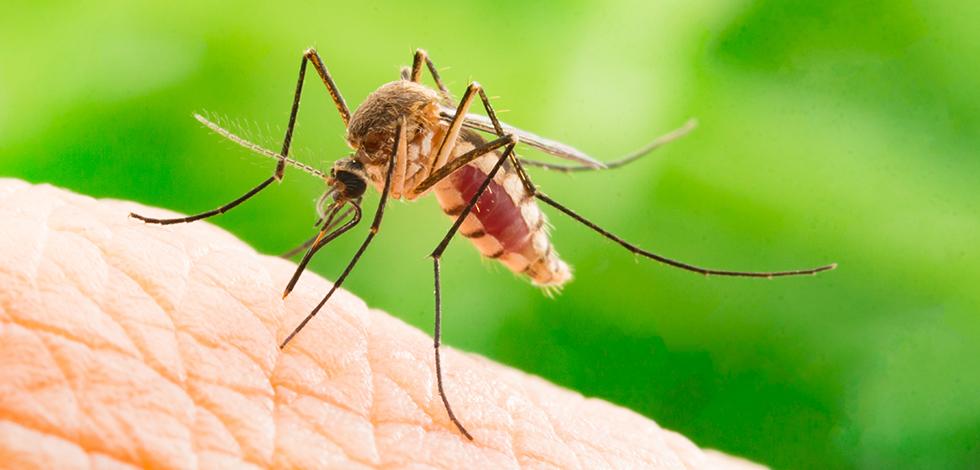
830,131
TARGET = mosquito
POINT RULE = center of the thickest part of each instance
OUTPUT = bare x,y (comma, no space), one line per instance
409,140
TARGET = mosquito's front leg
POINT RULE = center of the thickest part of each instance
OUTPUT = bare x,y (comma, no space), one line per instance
309,242
396,154
309,56
321,70
321,239
392,179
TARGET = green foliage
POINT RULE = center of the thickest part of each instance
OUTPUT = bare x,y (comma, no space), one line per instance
830,131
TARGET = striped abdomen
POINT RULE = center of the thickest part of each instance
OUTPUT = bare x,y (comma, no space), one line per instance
506,223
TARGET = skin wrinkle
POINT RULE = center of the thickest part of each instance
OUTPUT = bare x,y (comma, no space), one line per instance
552,430
203,268
304,351
61,451
43,248
180,379
38,253
71,388
322,399
517,420
395,378
55,431
339,445
181,367
28,327
65,382
291,420
201,392
253,356
84,406
373,400
190,396
564,438
133,343
201,407
95,456
382,420
195,446
301,389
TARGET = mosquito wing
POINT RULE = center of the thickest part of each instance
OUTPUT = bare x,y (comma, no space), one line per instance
558,149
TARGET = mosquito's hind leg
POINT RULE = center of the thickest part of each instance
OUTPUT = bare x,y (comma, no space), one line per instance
309,56
532,190
436,255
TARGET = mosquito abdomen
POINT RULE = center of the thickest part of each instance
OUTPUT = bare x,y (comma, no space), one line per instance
506,223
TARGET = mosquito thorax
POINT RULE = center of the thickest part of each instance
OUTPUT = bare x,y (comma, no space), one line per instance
348,179
372,127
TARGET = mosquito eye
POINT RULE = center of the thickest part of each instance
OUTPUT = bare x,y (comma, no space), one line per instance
354,185
372,142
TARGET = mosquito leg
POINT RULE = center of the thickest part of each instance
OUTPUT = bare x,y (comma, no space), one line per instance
309,242
298,248
319,241
449,141
309,55
622,161
461,160
203,215
533,191
421,56
321,70
499,129
436,255
375,226
671,262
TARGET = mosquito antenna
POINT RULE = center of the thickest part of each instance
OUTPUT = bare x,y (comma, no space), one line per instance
258,148
671,262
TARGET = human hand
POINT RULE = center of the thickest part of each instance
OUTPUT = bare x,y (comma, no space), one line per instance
128,345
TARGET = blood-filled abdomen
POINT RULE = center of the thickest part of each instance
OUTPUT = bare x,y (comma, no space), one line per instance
506,223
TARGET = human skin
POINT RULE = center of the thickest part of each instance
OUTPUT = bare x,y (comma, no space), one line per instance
129,345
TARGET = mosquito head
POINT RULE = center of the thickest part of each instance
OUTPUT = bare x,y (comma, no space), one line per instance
347,179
